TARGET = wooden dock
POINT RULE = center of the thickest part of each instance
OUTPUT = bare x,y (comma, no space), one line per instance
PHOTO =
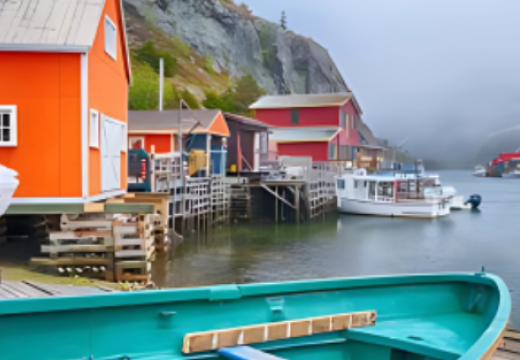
29,289
510,347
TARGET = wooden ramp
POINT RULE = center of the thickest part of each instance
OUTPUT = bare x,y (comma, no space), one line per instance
510,347
28,289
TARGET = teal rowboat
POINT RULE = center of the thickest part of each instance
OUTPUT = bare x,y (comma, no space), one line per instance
415,317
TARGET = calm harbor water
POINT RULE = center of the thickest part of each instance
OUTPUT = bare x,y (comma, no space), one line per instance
345,245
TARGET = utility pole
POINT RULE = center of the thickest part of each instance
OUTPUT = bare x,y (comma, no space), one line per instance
161,83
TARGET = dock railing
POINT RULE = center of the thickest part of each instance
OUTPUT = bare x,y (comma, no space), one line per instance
166,174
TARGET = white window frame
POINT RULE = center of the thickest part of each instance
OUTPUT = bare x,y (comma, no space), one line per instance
111,51
138,138
94,140
124,137
13,126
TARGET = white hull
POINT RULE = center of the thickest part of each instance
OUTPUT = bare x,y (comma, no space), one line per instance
457,203
514,175
6,196
8,185
480,173
420,209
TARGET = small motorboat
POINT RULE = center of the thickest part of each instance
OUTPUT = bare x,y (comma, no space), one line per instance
8,185
480,171
435,317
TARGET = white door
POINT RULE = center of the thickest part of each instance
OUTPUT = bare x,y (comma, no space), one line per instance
110,154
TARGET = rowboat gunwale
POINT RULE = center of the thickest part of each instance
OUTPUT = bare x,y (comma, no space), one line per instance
234,292
485,346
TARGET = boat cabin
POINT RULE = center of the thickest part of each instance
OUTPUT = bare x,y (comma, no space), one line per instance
387,189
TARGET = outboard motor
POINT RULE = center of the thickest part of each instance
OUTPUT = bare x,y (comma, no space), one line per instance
474,201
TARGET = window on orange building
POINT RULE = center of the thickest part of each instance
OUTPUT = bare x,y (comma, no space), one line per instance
110,38
94,128
136,143
8,125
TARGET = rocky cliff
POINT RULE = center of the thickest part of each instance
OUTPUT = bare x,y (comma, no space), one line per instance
236,42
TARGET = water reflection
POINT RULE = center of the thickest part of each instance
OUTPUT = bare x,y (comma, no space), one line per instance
359,246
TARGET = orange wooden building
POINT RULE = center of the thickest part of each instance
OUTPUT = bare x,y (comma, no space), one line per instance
64,77
160,129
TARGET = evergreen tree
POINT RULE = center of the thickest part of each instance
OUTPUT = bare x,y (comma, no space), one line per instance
283,22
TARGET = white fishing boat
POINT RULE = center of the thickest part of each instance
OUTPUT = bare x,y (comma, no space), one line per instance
8,185
480,171
359,193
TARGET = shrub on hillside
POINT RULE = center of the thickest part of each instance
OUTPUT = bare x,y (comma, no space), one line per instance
149,54
224,101
236,99
144,92
190,99
208,64
247,92
181,48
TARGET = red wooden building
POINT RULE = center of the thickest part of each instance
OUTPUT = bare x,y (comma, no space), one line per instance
324,126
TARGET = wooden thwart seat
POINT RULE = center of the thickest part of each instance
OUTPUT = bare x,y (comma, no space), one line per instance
246,335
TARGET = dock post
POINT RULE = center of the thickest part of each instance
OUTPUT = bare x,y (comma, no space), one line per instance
297,202
276,205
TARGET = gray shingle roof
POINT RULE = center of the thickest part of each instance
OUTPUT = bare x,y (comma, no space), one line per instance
301,100
169,119
247,121
49,22
367,134
317,134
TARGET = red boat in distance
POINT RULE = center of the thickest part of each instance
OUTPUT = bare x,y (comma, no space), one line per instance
505,165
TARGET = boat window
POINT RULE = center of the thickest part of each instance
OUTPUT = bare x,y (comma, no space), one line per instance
355,184
341,184
385,189
365,184
371,190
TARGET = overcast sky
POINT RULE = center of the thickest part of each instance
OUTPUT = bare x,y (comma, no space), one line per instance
445,72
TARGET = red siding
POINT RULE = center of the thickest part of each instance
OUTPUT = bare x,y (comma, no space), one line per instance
321,116
318,150
162,142
349,136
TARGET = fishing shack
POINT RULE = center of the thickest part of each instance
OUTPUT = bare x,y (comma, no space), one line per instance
64,99
65,73
248,144
326,127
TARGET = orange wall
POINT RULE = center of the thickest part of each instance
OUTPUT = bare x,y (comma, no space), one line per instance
162,142
219,126
45,88
108,89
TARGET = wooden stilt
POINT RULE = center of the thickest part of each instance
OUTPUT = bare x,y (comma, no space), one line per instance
276,205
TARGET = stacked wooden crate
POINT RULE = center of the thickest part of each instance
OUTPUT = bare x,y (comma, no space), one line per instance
81,245
99,245
160,220
134,243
